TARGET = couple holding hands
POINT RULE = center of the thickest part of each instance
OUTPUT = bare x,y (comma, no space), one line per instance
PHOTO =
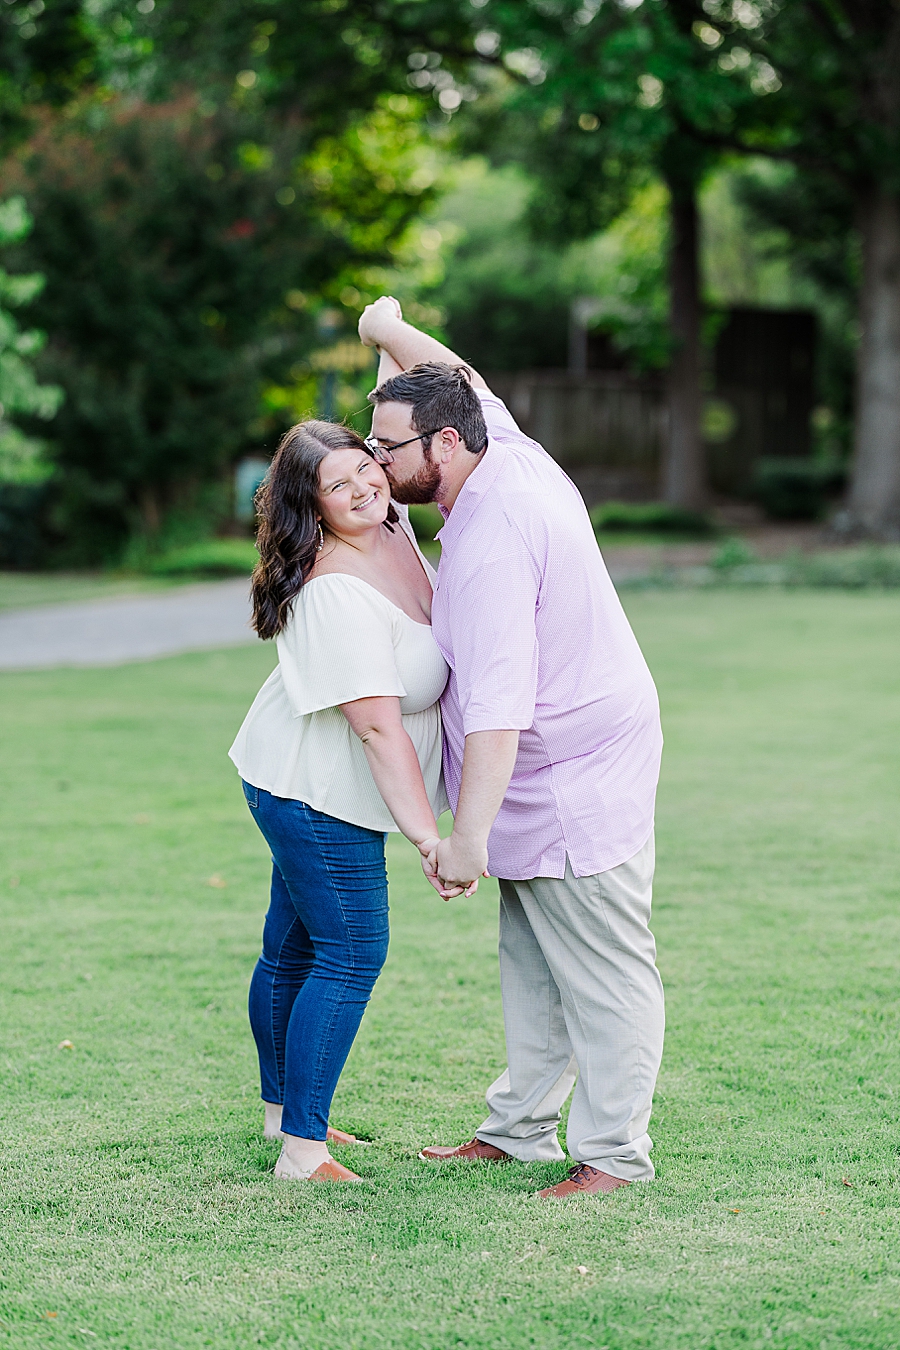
510,681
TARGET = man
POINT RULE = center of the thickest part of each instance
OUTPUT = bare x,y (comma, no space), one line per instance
551,758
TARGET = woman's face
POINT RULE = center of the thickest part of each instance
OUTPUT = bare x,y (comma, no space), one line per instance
354,494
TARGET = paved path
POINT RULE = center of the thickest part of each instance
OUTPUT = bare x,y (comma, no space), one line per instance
110,632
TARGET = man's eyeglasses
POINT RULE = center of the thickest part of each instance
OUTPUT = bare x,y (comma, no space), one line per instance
384,454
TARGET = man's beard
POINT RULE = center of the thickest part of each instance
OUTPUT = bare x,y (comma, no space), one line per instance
422,488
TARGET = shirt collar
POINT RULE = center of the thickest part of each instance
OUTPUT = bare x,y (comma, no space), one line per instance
474,489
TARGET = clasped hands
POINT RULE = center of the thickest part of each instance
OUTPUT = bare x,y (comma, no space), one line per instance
453,866
383,311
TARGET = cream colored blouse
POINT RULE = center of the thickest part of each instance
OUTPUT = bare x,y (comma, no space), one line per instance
344,640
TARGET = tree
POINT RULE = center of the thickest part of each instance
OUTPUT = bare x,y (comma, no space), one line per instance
838,121
322,61
46,53
252,166
611,95
180,255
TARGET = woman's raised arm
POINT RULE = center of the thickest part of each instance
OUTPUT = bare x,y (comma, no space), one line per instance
387,368
381,326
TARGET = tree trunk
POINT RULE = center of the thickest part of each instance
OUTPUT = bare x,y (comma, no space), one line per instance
873,507
150,512
684,470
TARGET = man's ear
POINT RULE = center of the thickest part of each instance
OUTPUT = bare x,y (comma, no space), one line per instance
449,443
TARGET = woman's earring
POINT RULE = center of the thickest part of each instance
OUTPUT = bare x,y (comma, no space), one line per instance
320,542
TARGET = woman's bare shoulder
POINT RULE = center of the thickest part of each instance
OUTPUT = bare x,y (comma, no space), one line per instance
334,560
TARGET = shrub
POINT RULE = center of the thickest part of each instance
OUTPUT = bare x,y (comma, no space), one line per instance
25,535
186,251
796,489
731,553
425,520
166,254
21,457
854,569
208,558
650,517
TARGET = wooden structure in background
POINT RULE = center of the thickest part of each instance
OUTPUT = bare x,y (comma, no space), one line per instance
607,428
763,370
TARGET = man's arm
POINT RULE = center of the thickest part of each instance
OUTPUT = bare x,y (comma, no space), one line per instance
488,762
381,326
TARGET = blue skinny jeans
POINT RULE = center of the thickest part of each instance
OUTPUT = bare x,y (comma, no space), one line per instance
325,941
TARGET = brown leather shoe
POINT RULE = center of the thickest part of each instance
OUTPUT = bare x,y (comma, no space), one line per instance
333,1171
583,1180
476,1150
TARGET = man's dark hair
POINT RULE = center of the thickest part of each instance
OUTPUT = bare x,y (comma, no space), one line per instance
440,396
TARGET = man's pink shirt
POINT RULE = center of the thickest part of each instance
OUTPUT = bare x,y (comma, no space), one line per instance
537,641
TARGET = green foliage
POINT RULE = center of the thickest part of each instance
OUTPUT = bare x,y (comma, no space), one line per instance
47,50
774,236
651,518
235,169
504,297
367,179
616,94
24,533
732,553
797,489
836,115
175,260
847,569
622,280
167,260
425,520
209,557
21,456
828,60
735,566
322,61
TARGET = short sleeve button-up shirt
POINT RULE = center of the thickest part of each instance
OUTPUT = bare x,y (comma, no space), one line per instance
537,641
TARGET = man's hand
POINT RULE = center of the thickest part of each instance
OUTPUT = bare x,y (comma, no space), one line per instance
458,861
374,318
428,849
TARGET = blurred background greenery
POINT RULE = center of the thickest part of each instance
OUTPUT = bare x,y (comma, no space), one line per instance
199,200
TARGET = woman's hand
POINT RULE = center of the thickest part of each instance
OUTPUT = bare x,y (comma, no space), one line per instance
385,310
428,849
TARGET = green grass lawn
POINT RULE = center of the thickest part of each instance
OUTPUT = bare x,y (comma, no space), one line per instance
21,590
139,1206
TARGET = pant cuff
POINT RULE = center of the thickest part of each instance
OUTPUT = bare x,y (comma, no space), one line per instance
540,1148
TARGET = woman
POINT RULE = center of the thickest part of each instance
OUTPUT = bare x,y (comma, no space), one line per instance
342,743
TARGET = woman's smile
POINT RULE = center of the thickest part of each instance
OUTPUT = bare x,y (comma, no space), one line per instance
369,501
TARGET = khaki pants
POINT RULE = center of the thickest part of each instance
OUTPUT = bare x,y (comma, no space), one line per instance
582,998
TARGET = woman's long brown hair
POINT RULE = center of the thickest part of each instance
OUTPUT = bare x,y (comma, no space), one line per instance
287,506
